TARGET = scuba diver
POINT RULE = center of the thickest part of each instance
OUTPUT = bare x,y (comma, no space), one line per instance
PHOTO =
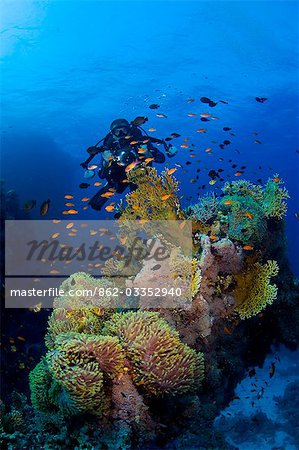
124,145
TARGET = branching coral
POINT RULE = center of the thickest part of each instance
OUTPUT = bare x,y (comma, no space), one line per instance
161,363
254,291
205,210
244,188
155,197
186,269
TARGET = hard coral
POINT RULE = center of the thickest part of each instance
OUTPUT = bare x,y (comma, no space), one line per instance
254,291
205,210
161,363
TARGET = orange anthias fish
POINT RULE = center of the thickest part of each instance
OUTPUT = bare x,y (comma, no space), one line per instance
228,202
109,208
107,194
201,130
213,237
277,180
68,196
247,247
131,166
147,160
165,197
73,211
249,215
227,330
171,171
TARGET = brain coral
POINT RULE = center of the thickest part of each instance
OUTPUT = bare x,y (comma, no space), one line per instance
161,362
254,291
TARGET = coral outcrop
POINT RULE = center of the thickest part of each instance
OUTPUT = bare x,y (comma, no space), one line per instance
131,369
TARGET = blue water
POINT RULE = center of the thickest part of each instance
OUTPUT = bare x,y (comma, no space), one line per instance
69,68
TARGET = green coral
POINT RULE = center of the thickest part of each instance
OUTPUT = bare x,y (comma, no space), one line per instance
40,381
245,219
161,363
274,204
246,207
253,291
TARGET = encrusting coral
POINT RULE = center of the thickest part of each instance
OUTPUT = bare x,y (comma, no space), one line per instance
254,291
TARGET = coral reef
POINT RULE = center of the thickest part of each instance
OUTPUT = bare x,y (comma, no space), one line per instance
133,357
138,375
85,285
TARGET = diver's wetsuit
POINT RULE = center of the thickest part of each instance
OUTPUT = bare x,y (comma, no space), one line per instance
113,169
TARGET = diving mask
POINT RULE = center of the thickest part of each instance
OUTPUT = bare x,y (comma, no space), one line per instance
120,132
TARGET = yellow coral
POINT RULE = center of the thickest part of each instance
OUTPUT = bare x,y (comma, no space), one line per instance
155,197
254,291
196,277
186,269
